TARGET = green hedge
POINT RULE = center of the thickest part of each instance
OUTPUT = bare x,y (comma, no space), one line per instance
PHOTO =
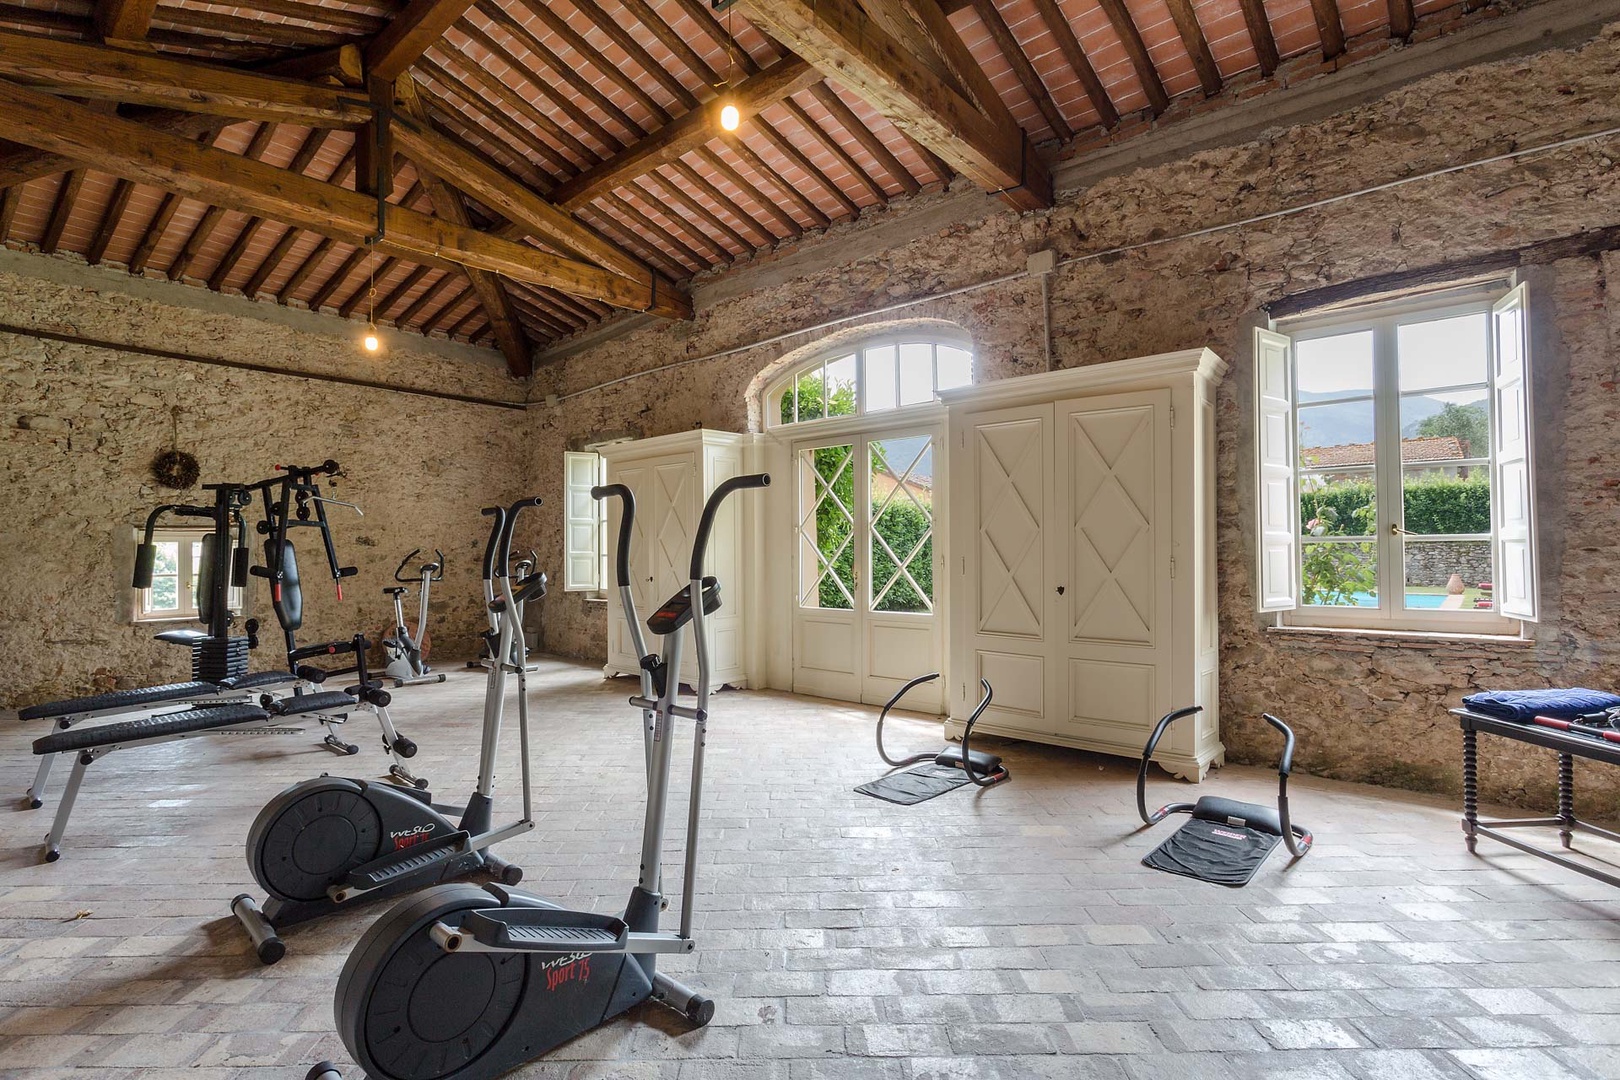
1438,504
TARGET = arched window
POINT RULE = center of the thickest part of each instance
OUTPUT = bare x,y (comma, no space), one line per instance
877,375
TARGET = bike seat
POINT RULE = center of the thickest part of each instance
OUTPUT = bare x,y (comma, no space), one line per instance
395,590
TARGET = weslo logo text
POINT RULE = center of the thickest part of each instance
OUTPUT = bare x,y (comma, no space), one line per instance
575,967
405,838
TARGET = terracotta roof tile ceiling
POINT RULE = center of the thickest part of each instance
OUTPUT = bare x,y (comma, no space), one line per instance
1423,450
547,90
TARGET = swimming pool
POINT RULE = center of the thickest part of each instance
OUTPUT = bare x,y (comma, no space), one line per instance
1413,600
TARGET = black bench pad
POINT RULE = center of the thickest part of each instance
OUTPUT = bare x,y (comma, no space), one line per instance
255,679
118,699
313,703
149,727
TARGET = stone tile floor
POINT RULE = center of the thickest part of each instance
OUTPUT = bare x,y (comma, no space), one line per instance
1005,933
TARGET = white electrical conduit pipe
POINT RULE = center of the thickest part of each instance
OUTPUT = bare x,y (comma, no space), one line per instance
1511,155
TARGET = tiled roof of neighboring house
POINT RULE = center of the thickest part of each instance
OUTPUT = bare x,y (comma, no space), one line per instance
1425,450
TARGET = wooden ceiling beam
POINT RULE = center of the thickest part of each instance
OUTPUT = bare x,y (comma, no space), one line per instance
784,146
154,233
211,217
490,290
837,37
560,163
362,293
124,20
109,221
944,53
679,137
555,65
1028,77
1265,44
1402,19
845,118
557,98
640,220
1130,37
1057,24
312,262
129,150
103,73
1330,26
655,256
410,34
737,180
427,296
435,320
639,56
10,199
682,191
271,262
464,325
67,193
698,184
300,162
1192,38
835,149
500,95
656,191
556,24
342,274
769,174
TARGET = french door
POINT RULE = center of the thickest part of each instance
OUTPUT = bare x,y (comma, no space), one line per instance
866,607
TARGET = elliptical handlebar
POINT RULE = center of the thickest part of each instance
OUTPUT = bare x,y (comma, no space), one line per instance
621,563
710,510
505,553
495,531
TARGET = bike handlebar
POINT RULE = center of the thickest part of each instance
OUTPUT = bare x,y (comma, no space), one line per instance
712,508
434,568
622,562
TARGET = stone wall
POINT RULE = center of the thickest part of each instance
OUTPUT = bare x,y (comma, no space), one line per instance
1434,563
79,427
1366,708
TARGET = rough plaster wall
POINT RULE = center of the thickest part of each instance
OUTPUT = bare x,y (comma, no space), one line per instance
77,478
1364,710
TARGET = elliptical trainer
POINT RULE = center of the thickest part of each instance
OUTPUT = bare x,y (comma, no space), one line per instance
405,665
463,983
330,841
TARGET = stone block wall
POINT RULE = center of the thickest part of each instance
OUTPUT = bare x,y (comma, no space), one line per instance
79,427
1369,709
1433,564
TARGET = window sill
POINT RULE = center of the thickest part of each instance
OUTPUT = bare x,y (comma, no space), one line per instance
1404,638
147,620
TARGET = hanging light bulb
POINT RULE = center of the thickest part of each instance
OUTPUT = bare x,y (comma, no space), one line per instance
730,117
370,340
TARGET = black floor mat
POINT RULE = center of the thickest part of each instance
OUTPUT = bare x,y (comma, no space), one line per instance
1214,852
916,785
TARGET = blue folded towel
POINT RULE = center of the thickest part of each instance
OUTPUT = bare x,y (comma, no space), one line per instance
1521,705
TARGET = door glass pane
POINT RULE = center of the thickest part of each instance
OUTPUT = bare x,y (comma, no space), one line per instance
1447,574
841,386
1337,573
1438,427
916,373
901,534
954,367
1334,367
827,527
1443,352
1446,552
1336,437
1441,501
882,390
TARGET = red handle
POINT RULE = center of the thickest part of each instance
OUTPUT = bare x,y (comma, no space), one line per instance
1580,729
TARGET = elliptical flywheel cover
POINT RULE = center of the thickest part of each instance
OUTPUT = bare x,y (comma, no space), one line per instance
311,836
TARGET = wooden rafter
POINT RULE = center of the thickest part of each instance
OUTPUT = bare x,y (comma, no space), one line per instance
1028,77
10,198
616,32
312,262
560,164
124,20
109,221
782,145
67,193
639,220
554,64
301,160
557,25
1192,38
339,276
558,99
1402,19
835,149
154,233
768,173
214,214
679,137
737,180
438,318
363,293
1130,37
492,294
132,151
839,39
1265,44
502,96
410,34
696,183
845,118
652,189
99,72
427,296
643,242
1057,24
1330,26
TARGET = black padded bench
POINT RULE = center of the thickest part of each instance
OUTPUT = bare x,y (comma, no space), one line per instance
95,742
145,699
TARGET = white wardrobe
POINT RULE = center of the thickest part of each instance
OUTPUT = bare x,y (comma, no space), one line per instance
1082,551
671,476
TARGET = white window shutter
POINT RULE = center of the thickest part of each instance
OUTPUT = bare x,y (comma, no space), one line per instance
1513,488
1276,516
582,522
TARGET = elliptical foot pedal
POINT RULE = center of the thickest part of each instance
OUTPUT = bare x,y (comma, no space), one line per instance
546,930
397,864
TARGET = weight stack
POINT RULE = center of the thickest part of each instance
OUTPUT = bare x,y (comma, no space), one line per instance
215,659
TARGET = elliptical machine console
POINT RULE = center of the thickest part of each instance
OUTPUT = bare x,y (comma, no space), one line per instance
463,983
328,842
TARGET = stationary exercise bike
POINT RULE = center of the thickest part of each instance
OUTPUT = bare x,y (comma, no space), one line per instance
463,983
405,665
519,566
328,842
